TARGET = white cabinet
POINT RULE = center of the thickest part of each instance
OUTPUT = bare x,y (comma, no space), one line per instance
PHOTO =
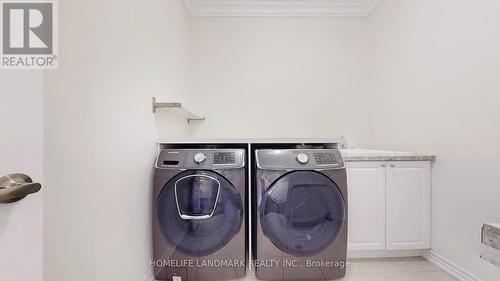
366,185
389,205
408,200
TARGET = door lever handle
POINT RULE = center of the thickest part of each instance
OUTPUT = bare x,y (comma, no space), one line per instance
15,187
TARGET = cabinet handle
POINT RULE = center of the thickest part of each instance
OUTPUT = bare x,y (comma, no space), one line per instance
383,165
392,165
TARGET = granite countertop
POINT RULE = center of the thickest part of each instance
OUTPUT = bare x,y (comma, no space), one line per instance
358,154
494,225
490,236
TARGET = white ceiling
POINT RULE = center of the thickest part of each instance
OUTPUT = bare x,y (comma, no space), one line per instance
322,8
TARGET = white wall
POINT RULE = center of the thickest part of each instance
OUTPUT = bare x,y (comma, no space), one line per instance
21,151
279,77
100,133
435,67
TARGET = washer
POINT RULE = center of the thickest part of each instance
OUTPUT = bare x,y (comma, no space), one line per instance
199,230
300,214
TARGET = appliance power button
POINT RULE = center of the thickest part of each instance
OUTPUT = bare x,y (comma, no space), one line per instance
302,158
200,158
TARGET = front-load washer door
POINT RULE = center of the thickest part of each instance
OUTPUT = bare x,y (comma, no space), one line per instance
302,213
199,212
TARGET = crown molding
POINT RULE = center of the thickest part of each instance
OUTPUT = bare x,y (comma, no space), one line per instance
300,8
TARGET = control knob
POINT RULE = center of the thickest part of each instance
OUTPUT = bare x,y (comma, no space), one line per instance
302,158
200,158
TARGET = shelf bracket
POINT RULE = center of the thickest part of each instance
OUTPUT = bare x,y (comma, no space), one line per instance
177,109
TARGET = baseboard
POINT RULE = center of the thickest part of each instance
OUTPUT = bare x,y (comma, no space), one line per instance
450,267
383,254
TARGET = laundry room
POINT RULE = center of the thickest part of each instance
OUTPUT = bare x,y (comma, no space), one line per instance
291,140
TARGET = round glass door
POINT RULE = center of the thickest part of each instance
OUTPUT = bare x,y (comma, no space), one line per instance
302,213
199,212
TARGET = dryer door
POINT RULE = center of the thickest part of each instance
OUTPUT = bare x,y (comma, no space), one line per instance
302,213
199,212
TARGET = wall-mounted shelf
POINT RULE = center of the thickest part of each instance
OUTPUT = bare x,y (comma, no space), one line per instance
177,109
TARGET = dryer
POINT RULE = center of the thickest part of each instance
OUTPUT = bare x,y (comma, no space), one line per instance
299,214
199,230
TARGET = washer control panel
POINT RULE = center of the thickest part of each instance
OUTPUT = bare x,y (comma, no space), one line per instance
299,159
201,158
325,158
221,158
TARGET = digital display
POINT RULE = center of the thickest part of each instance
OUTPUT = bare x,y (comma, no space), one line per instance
325,158
224,158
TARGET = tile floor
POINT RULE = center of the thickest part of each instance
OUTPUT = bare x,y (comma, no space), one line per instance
394,269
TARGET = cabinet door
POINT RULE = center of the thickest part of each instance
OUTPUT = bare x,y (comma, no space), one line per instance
408,205
366,185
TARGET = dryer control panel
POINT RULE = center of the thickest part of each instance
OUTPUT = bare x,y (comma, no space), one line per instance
201,159
299,159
